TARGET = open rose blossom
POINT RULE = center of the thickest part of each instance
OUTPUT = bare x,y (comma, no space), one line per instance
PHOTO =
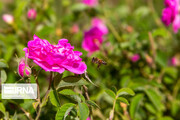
90,3
170,14
96,22
56,58
9,19
135,58
92,40
21,68
31,14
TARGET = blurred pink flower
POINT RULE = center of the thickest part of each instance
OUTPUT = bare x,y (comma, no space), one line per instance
170,3
90,3
75,28
170,14
31,14
9,19
174,61
96,22
92,40
56,58
135,58
21,68
88,118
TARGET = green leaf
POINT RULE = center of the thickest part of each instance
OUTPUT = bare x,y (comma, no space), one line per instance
125,91
3,63
110,93
166,118
15,117
72,81
78,7
150,108
82,97
175,107
57,79
135,104
67,92
54,98
171,71
92,103
123,100
2,108
3,76
83,111
161,59
154,98
61,113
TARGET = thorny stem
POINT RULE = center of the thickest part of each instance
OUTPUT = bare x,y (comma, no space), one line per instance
87,96
45,97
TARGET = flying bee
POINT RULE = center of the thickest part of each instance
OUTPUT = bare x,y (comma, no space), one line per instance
98,61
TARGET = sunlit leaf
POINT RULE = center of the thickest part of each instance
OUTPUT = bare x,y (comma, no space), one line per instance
3,76
110,93
2,108
125,91
121,99
67,92
54,98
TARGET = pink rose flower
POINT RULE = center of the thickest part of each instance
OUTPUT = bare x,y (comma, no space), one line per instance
31,14
176,24
22,69
174,61
9,19
92,40
88,118
56,58
96,22
170,14
170,3
135,58
90,3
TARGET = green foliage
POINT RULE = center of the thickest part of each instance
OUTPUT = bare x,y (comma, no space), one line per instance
72,81
83,111
54,98
63,111
135,103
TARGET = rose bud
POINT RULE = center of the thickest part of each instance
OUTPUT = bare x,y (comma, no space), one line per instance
23,68
31,14
9,19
